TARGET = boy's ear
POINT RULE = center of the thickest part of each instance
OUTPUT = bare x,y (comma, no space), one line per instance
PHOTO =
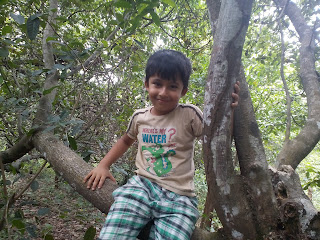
146,84
184,91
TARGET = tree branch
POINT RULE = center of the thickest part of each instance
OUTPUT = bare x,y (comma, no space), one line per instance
294,151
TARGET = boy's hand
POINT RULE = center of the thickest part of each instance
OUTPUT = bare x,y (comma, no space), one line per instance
235,95
97,177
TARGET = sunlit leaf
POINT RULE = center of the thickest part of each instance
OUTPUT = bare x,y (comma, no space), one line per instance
105,43
169,2
47,91
6,30
51,38
18,18
122,4
155,18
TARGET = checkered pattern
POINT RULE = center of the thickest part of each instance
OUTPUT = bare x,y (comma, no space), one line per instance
139,201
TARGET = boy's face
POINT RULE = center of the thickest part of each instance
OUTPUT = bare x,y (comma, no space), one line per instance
164,94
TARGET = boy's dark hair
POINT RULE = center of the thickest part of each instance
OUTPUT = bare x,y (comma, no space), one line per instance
169,64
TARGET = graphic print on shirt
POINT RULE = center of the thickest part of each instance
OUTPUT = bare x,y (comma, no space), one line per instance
158,155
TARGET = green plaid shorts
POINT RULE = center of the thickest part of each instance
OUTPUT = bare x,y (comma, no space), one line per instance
139,201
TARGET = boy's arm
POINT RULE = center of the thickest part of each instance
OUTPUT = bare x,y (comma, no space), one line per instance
99,174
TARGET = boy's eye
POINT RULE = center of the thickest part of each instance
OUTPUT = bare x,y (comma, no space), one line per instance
174,86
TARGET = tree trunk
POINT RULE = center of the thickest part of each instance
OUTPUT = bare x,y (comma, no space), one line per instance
226,189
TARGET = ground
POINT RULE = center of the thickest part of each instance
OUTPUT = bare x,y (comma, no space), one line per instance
53,210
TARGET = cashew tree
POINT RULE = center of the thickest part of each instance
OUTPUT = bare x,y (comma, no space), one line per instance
72,82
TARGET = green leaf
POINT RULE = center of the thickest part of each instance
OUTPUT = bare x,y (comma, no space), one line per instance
142,8
47,91
2,2
32,230
86,155
139,43
51,38
37,15
18,18
19,214
169,2
43,211
4,52
155,18
59,66
37,72
6,29
8,182
19,224
72,143
34,185
32,130
122,4
90,233
33,24
48,237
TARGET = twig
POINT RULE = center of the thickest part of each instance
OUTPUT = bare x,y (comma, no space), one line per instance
17,196
3,179
285,85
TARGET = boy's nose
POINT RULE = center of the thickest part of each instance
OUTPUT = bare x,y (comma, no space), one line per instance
163,91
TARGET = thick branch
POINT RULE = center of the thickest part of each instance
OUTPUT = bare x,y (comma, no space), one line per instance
45,103
73,169
252,161
17,151
294,151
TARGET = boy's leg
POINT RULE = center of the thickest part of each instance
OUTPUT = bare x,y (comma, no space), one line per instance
128,214
175,216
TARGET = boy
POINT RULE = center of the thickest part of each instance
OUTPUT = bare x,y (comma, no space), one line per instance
162,189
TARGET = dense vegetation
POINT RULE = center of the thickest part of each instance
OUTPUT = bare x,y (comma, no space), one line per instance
100,49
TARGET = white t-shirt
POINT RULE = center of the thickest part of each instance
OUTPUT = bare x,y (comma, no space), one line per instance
166,146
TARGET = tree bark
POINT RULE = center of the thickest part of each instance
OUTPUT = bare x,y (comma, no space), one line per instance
298,218
253,163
